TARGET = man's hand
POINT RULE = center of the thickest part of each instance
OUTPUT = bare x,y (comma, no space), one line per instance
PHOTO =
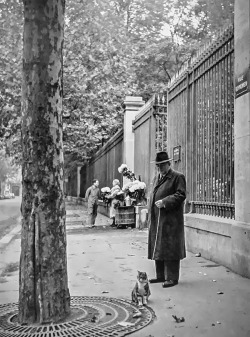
159,204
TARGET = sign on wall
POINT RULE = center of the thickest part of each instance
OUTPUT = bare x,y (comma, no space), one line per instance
242,84
177,153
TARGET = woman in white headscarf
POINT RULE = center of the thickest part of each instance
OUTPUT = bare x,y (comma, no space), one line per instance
114,190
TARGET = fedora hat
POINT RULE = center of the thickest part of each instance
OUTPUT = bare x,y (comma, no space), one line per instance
162,157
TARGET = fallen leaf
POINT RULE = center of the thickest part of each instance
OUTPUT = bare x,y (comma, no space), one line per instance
126,324
178,319
94,319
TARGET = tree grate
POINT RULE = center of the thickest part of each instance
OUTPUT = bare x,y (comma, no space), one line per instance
97,317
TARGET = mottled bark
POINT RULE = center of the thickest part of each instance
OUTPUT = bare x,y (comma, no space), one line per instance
43,284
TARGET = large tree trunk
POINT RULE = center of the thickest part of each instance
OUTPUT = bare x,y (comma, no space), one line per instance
43,284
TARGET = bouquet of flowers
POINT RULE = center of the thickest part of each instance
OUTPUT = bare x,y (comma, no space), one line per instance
136,191
105,191
120,196
126,172
119,199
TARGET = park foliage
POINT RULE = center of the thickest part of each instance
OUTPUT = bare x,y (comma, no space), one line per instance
112,49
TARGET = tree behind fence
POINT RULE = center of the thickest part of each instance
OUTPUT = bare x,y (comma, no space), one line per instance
196,126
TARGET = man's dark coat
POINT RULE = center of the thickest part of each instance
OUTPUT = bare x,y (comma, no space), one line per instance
166,225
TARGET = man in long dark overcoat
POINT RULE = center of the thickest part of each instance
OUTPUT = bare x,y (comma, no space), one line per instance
92,194
166,242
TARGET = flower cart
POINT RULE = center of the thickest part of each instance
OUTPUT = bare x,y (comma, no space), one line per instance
125,216
134,192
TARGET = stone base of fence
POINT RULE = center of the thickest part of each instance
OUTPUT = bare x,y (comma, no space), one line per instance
210,236
222,240
141,212
240,248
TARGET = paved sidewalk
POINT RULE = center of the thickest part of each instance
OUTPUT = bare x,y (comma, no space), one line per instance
214,301
9,213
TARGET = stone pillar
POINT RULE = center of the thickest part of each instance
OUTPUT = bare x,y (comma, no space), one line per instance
241,229
78,181
132,105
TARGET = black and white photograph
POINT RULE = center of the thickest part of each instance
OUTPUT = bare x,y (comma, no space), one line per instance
124,168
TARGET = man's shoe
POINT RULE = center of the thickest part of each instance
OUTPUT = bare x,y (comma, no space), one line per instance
168,284
156,280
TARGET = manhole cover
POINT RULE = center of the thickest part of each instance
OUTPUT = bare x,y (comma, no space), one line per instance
96,317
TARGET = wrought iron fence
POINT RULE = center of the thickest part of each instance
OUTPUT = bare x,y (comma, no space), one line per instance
207,86
160,113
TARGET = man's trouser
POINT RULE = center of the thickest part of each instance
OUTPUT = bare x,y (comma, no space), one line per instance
92,214
167,269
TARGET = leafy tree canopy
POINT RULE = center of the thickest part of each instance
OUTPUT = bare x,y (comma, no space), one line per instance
10,74
112,48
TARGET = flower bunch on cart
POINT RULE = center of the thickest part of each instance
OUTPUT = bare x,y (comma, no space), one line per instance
135,190
119,199
126,172
120,196
105,192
